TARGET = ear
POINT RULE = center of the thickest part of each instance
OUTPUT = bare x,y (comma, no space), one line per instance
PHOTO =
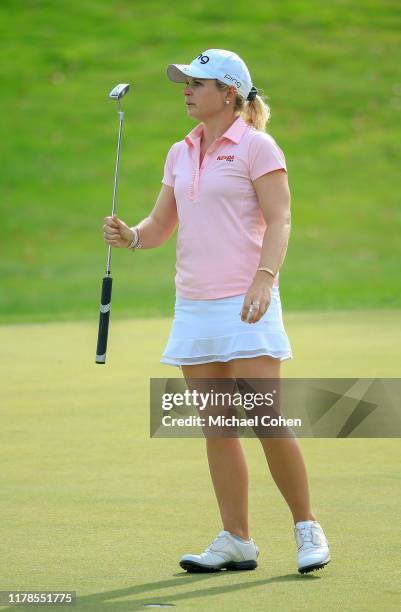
233,91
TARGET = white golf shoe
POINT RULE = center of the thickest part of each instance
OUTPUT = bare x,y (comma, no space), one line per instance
313,547
225,552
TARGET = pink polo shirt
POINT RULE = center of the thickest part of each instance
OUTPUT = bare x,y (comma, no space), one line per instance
221,225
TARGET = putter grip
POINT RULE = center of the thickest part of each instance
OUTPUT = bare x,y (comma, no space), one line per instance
104,316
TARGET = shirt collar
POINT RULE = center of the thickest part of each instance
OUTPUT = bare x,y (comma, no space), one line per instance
234,132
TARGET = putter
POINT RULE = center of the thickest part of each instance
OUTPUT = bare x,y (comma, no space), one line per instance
105,300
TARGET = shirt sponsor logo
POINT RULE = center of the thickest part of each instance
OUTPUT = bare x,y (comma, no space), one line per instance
229,158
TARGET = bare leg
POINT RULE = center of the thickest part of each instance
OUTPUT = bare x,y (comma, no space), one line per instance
288,470
229,473
284,455
227,463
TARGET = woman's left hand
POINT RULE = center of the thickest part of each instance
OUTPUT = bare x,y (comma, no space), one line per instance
259,292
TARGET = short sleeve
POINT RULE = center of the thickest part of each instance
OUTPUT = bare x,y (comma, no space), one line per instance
264,156
168,176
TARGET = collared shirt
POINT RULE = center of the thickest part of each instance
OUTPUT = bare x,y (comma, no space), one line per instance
221,224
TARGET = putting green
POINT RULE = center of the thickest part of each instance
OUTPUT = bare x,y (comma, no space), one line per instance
92,504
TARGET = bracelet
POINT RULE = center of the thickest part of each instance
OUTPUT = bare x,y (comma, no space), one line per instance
135,244
269,271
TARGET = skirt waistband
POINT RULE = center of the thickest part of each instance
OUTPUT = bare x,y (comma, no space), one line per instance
232,298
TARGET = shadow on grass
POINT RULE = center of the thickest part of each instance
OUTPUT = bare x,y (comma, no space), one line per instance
106,601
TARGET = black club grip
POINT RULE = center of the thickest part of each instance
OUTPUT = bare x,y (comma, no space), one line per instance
105,302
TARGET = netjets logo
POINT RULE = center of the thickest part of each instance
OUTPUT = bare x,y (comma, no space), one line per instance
203,58
231,78
229,158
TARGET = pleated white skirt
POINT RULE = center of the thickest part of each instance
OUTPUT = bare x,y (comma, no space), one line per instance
212,330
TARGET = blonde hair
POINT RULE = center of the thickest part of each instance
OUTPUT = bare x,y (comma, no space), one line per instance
255,112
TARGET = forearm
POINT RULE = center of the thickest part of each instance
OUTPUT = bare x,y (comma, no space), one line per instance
274,247
152,233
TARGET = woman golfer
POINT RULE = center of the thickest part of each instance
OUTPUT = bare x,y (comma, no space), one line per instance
226,186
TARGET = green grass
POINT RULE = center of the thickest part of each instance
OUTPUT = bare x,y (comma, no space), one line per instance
331,72
92,504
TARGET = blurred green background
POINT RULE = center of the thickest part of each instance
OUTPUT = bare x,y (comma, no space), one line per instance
90,503
332,75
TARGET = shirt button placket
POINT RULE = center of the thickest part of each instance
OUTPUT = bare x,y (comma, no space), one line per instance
194,185
202,167
195,180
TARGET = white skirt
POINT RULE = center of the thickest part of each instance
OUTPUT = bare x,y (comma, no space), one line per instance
212,330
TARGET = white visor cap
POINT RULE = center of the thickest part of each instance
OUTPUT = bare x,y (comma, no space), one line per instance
226,66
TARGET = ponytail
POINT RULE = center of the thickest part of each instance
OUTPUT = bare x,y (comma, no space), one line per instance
254,112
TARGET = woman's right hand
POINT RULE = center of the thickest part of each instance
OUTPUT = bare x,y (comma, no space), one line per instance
117,233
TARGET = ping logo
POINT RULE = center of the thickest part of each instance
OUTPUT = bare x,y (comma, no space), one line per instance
231,78
203,58
229,158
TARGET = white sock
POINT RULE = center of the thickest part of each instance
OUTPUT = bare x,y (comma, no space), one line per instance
238,538
302,523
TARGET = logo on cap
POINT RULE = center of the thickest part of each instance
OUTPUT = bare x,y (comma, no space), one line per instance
203,58
231,78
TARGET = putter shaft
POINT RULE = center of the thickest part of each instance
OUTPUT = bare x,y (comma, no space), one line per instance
120,128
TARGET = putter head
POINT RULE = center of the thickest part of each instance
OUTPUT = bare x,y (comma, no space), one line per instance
119,91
